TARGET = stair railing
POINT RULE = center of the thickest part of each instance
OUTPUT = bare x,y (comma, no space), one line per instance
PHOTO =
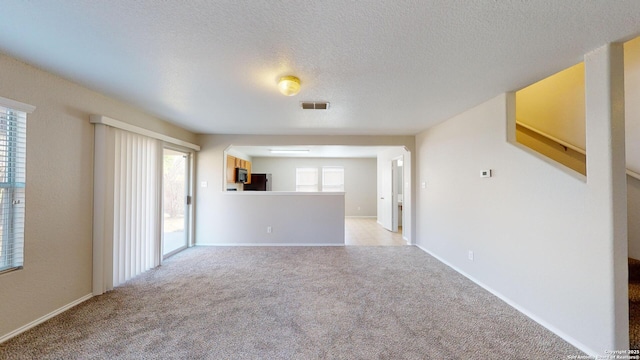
567,145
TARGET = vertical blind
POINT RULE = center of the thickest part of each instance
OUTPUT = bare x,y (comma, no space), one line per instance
127,203
136,221
13,150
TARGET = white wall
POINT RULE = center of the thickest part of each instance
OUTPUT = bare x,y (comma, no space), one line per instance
212,227
359,178
58,230
532,227
294,218
563,116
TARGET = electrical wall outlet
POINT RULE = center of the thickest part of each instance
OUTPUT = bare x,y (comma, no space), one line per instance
470,255
485,173
268,229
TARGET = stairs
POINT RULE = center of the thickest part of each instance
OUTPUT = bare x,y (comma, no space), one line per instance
634,304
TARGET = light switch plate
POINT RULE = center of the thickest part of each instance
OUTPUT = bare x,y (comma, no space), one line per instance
485,173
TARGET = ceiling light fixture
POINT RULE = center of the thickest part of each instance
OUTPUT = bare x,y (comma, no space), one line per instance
289,151
289,85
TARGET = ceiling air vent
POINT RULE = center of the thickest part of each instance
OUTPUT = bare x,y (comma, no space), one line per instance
315,105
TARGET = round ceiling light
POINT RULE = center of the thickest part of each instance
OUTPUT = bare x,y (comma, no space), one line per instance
289,85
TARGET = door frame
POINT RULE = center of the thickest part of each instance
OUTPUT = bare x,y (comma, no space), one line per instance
188,198
394,192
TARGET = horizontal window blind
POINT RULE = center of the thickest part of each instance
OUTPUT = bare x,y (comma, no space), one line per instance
307,179
13,150
333,178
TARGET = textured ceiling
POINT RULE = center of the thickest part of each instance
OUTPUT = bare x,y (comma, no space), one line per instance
387,67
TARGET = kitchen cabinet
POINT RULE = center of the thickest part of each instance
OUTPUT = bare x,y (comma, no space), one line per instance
233,163
248,167
231,169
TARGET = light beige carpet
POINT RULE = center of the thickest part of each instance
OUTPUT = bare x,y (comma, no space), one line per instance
293,303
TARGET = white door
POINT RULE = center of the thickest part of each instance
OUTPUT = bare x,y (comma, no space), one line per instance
385,195
394,196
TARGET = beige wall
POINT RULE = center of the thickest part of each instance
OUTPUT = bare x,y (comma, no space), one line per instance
632,105
632,127
556,105
633,212
58,230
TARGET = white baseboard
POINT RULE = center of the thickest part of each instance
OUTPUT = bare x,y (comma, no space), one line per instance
42,319
269,244
524,311
361,217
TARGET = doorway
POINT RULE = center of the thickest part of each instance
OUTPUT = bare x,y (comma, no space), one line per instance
391,180
175,201
394,191
397,171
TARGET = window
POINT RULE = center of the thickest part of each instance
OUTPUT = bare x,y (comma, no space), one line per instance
13,141
333,178
307,179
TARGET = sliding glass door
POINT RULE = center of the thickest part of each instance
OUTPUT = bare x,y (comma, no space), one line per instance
175,201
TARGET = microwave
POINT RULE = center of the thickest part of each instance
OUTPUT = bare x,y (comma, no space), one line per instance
242,175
